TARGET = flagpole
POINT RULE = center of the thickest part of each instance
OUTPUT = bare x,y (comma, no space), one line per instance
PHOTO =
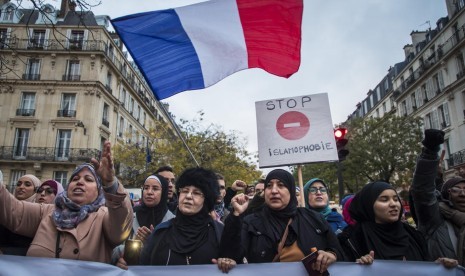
178,131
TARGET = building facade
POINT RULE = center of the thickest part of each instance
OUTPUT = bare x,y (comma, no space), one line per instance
430,84
66,86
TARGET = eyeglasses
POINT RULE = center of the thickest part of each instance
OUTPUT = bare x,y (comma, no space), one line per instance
48,191
314,190
194,193
457,190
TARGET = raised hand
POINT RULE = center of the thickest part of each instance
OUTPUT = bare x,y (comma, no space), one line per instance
433,139
239,203
105,168
238,185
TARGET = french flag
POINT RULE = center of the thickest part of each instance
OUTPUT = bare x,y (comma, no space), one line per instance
196,46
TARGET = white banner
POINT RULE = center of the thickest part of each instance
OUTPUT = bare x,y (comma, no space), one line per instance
295,130
16,265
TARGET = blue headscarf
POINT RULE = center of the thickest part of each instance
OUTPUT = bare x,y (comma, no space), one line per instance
325,210
68,214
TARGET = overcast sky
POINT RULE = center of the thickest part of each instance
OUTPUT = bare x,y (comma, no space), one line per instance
347,48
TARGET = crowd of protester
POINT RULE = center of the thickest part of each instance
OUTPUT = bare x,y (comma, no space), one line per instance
197,218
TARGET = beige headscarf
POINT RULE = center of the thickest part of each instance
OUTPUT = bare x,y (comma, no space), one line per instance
36,182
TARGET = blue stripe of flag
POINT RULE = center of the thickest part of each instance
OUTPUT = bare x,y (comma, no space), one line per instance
162,50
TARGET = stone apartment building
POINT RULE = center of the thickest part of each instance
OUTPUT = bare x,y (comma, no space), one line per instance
430,84
66,86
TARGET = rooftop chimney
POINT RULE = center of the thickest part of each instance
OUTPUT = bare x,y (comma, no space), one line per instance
64,8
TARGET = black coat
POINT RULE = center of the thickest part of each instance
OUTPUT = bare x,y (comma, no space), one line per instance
258,247
157,249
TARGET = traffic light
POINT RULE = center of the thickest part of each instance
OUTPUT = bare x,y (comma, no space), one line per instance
341,142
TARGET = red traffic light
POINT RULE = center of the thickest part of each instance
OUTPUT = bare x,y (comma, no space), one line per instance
340,132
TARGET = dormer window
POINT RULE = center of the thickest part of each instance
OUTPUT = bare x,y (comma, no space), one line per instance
47,15
9,13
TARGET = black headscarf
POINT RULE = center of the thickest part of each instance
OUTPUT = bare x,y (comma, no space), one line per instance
389,241
189,232
278,219
147,216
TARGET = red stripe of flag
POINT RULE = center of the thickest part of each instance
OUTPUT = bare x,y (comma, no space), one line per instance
272,31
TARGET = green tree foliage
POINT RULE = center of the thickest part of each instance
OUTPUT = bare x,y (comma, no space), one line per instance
382,149
211,146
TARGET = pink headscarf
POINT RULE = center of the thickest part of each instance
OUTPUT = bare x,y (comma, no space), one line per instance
346,214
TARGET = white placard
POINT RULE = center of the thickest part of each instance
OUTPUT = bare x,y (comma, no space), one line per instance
295,130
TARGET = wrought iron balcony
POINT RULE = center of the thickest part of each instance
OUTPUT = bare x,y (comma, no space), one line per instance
66,113
31,76
25,112
456,158
105,122
71,77
48,154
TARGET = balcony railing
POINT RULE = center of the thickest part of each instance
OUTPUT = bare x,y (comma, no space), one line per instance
456,158
71,77
25,112
31,76
66,113
48,154
105,122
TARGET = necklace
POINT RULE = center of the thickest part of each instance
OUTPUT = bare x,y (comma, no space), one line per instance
188,258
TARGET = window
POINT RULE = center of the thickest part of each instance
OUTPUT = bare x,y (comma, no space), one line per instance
138,112
432,120
424,94
27,107
130,139
15,176
131,106
403,108
413,101
121,127
122,96
73,71
76,40
9,13
105,121
37,39
32,69
4,38
418,98
143,119
384,107
443,113
63,144
108,83
460,66
61,176
463,104
68,106
20,144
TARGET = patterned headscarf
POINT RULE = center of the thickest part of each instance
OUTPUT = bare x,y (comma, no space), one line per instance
68,214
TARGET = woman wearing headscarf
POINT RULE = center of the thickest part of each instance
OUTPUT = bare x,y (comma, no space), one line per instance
48,191
12,243
193,236
85,223
26,187
379,232
257,236
316,195
152,211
